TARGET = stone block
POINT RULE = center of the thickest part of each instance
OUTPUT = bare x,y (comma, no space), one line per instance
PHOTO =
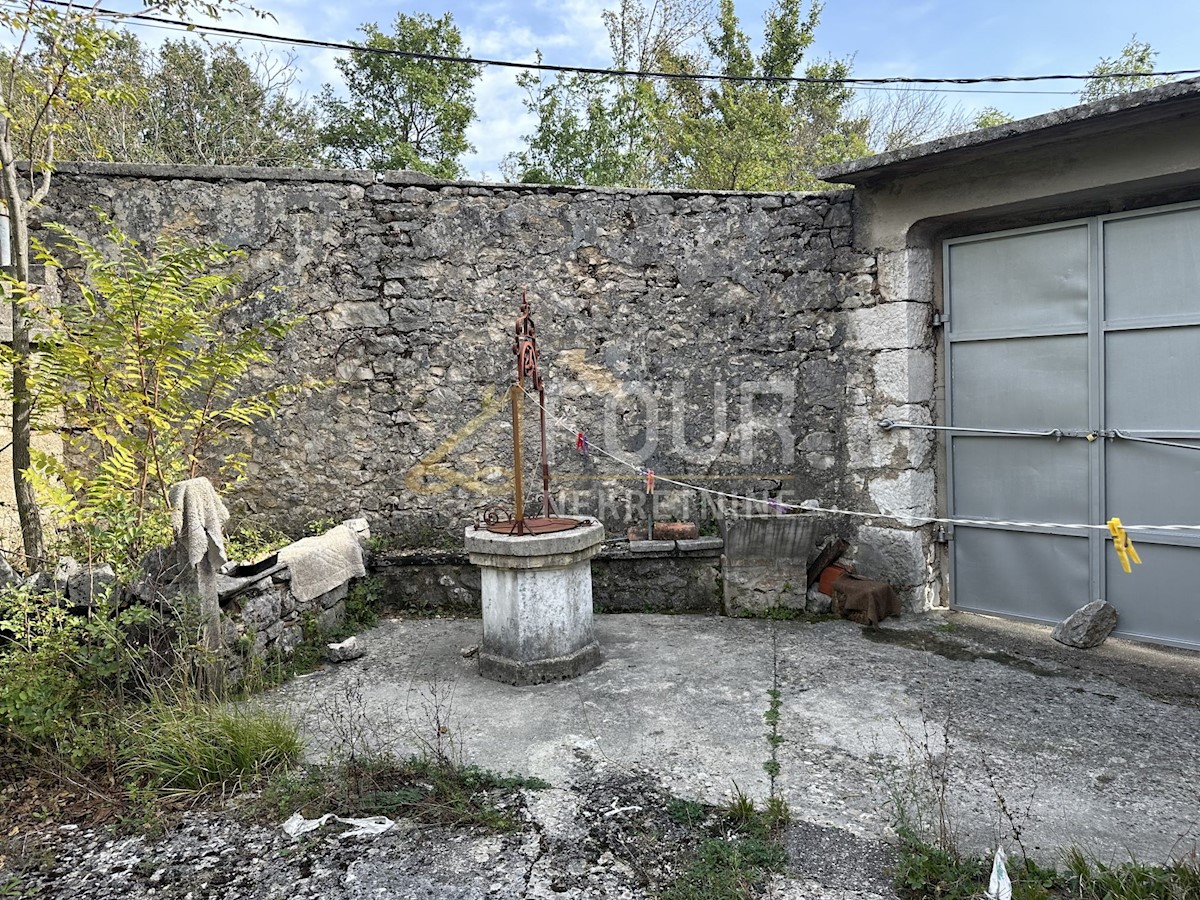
651,547
755,586
1087,627
68,567
894,555
90,585
906,274
344,651
357,314
869,446
908,494
331,617
890,326
904,376
262,608
698,545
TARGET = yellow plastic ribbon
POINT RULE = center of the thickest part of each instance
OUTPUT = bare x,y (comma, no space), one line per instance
1123,545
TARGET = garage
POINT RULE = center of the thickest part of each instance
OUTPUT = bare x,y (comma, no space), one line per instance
1047,272
1073,359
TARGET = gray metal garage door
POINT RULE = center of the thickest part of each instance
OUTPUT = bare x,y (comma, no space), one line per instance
1089,327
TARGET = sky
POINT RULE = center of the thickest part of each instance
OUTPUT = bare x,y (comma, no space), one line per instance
917,38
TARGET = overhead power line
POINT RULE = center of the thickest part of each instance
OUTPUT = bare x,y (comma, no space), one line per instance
595,70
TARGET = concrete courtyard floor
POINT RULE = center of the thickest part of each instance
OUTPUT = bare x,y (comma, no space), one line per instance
1095,749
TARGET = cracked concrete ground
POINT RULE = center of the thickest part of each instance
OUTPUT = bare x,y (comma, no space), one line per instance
1094,749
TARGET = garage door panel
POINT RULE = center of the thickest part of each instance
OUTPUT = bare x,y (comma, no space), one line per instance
1026,384
1152,265
1020,479
1021,282
1158,600
1153,381
1153,484
1034,576
1129,364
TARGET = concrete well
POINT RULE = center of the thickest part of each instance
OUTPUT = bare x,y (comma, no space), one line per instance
537,603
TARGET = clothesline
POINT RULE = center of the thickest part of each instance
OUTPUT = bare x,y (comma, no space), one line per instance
815,506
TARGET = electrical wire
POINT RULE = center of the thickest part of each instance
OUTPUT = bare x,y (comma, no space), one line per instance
595,70
813,506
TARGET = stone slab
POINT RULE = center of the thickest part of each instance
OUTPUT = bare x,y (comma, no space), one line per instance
696,545
636,547
586,536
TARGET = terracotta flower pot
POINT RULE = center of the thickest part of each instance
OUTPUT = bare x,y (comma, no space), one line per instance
829,575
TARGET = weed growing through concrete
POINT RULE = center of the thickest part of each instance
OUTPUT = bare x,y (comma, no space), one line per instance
771,718
748,848
930,865
364,774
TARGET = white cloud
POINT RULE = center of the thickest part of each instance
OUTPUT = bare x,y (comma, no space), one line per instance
500,123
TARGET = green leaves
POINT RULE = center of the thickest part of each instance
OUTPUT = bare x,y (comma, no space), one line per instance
1113,77
142,379
403,112
755,136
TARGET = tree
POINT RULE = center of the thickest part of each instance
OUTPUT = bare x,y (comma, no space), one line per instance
49,81
764,135
904,116
688,132
1124,74
210,106
990,117
147,377
402,112
191,103
588,130
603,130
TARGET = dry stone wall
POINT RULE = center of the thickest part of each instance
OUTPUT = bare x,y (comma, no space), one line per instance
737,341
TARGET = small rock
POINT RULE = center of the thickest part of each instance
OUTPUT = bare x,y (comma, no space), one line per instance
88,585
67,569
347,650
1088,626
7,575
817,602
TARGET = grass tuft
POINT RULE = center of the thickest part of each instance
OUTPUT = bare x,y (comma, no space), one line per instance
185,744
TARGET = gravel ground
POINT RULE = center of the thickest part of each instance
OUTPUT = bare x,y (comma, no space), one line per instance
607,834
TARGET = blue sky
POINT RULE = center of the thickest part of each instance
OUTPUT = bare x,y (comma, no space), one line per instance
925,38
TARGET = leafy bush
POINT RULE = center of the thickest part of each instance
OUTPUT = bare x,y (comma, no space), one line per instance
143,376
39,684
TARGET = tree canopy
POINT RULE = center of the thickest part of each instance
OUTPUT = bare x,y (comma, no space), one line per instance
764,135
185,102
401,112
1122,74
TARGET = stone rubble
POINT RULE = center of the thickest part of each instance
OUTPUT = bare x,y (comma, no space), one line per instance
608,834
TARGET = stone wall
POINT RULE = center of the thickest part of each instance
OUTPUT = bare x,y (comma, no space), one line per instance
737,341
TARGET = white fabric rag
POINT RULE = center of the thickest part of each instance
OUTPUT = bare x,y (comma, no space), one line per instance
320,564
297,825
197,515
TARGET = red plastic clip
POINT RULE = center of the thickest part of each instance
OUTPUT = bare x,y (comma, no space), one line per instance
649,481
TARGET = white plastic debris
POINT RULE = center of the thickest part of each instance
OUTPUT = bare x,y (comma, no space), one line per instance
372,826
999,885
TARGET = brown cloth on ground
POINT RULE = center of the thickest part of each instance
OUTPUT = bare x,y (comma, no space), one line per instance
863,601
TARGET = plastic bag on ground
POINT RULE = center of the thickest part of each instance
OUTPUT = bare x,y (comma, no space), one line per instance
999,885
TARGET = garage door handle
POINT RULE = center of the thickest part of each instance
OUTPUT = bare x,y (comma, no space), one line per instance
1056,433
1126,436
